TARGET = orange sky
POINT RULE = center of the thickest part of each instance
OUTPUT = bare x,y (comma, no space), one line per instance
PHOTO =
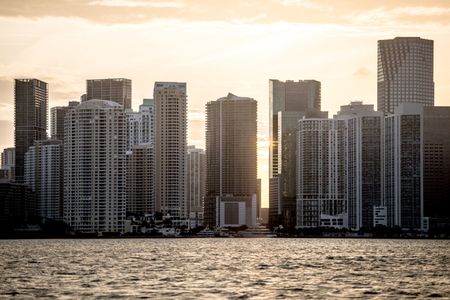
215,46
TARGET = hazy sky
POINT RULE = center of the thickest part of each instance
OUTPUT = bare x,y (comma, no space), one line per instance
215,46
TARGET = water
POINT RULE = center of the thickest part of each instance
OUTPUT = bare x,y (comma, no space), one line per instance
224,268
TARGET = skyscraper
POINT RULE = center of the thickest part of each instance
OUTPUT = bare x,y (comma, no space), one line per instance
95,167
112,89
141,125
7,164
44,175
405,72
231,183
195,184
290,100
363,162
57,115
170,137
321,173
403,175
141,180
30,118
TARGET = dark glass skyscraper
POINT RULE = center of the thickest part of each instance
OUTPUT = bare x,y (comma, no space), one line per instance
112,89
30,118
405,72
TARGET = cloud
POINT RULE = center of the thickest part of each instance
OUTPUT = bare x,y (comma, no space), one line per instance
249,11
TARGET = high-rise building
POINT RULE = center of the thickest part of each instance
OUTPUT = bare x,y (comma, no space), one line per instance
297,98
57,115
170,149
403,174
95,167
363,162
141,125
140,180
44,175
231,184
8,159
30,118
405,72
321,173
195,184
436,167
112,89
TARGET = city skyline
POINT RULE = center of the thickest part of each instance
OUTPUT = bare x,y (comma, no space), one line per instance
289,43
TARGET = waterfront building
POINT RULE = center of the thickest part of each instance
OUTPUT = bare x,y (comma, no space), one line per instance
17,206
140,180
30,118
321,173
363,162
436,166
8,159
141,124
170,149
111,89
231,184
195,184
403,172
405,72
44,175
297,98
95,167
57,115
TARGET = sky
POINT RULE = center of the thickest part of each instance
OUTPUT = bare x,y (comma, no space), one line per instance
215,46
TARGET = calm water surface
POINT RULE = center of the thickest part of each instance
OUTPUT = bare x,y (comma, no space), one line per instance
224,268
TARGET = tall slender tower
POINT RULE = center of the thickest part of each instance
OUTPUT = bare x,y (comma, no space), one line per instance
30,118
111,89
288,102
231,184
405,72
195,184
95,167
170,136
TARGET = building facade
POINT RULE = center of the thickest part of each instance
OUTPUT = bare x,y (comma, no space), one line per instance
403,173
171,147
111,89
57,115
95,167
8,160
296,98
30,119
44,175
321,173
141,125
140,180
405,72
231,184
195,184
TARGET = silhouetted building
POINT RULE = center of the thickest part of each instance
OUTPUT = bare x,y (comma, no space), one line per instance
141,180
112,89
95,167
57,115
195,184
44,175
30,118
436,166
405,72
17,206
171,148
231,189
296,98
